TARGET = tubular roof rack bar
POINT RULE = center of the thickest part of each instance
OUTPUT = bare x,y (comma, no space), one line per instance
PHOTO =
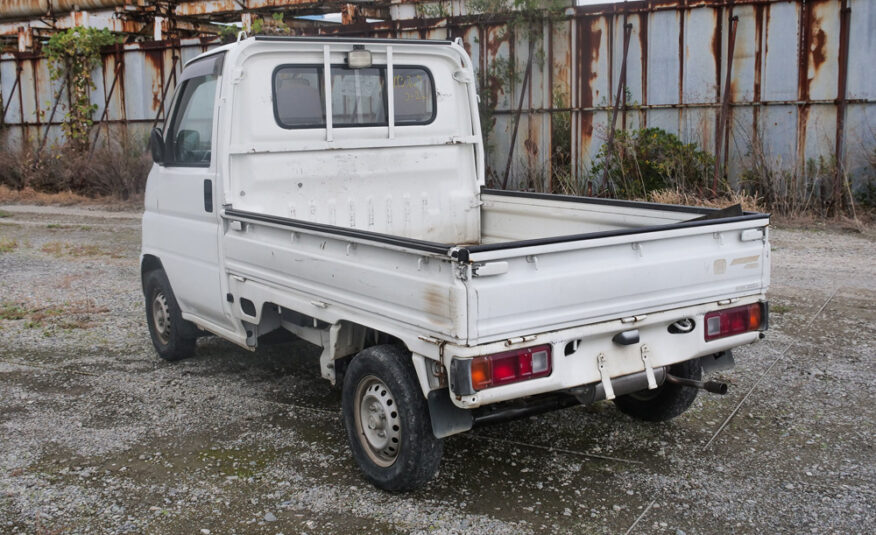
350,40
327,73
390,92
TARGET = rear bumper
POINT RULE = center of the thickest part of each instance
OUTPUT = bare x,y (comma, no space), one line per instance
588,355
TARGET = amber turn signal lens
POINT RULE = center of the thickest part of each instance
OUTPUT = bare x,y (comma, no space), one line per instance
480,372
754,317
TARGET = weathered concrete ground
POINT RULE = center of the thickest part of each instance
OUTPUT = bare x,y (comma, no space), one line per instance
99,435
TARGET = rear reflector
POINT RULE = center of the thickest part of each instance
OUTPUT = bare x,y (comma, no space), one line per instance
510,367
732,321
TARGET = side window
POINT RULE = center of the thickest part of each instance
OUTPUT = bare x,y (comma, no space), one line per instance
413,96
359,96
299,97
190,135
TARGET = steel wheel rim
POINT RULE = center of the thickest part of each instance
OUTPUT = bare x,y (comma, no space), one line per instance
378,425
647,395
161,317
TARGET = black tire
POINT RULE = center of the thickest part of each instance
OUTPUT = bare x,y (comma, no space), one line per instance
668,400
381,382
173,337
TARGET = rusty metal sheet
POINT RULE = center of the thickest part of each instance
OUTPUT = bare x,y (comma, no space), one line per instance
780,49
32,8
745,53
663,65
7,85
702,53
783,85
862,79
823,49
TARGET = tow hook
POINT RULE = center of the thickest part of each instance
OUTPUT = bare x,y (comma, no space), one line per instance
715,387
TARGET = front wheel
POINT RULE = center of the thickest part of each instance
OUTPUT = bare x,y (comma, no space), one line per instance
173,337
666,401
387,420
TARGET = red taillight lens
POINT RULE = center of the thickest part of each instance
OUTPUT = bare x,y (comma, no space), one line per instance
733,321
510,367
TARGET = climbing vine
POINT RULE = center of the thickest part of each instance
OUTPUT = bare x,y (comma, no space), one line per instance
72,55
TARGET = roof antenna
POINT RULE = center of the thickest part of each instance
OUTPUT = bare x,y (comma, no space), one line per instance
241,35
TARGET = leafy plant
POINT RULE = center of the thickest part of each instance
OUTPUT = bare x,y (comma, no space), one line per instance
273,26
72,55
652,159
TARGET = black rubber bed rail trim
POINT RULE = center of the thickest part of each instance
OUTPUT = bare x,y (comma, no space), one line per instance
301,39
608,234
410,243
607,202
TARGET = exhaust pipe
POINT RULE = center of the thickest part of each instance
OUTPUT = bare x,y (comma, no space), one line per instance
715,387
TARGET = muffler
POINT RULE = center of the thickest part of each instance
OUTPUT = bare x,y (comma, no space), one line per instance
715,387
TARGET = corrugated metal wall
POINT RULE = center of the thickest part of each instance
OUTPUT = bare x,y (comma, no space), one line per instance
787,74
129,84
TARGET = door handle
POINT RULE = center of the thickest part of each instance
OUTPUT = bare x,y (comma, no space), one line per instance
208,195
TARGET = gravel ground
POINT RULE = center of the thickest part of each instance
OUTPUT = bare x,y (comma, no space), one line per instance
97,435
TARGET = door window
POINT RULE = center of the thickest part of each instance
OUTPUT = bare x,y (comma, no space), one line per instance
189,137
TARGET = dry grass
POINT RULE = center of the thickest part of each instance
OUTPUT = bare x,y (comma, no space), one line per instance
750,203
11,311
72,315
29,195
59,249
114,171
7,245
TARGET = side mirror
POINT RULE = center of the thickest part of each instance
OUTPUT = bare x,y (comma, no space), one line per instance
156,145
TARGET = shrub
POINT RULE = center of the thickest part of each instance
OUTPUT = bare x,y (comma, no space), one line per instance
652,159
118,169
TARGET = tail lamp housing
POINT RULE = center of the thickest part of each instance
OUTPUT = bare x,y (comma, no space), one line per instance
471,375
731,321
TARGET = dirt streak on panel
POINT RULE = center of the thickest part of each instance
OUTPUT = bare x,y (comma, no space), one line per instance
758,63
589,39
154,60
803,81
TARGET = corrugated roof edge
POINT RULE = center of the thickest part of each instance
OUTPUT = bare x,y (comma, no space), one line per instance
300,39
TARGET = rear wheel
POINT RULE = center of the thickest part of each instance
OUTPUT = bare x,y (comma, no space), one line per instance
172,336
666,401
387,420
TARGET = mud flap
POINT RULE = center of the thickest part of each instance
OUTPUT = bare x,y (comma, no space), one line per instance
447,418
718,362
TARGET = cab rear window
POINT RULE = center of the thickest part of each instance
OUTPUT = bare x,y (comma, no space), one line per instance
359,97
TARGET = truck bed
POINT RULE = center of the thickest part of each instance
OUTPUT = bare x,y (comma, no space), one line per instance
567,261
545,262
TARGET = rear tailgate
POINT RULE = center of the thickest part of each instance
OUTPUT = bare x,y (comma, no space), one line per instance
533,287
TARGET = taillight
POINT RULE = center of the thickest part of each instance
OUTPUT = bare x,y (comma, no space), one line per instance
732,321
510,367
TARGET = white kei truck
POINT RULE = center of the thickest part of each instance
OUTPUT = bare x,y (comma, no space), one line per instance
334,188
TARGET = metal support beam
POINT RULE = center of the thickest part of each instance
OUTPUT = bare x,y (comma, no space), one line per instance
171,76
725,106
52,116
119,62
523,88
842,81
12,93
622,83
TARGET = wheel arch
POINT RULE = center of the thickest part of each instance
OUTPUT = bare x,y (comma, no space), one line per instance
149,263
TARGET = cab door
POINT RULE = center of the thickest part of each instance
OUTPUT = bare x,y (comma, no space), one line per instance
181,222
